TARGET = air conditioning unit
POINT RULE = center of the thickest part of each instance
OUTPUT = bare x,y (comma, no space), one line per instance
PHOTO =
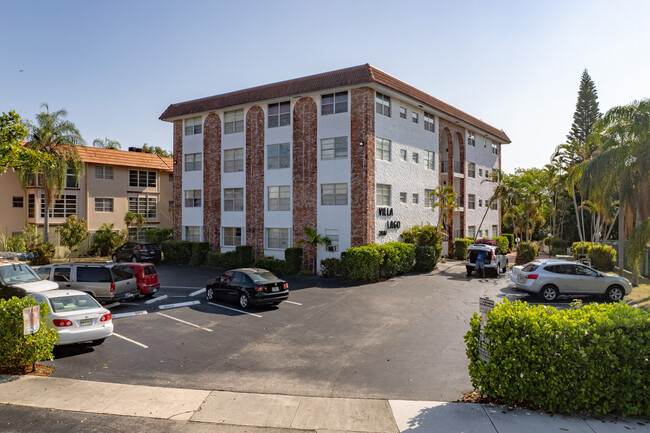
332,248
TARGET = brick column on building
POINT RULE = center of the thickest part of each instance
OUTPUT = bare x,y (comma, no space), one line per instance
177,193
462,193
255,180
305,171
451,129
500,180
212,181
362,161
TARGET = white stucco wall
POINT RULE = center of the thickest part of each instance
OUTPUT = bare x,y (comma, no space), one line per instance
192,216
480,185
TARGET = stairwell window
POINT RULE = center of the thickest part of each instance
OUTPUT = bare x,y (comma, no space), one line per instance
279,198
471,231
193,198
233,122
233,199
193,162
233,160
279,114
278,156
415,157
334,103
333,236
103,205
334,194
382,103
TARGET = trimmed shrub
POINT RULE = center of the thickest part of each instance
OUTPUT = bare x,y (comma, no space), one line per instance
603,257
331,267
271,264
293,257
212,259
559,243
105,240
580,248
588,359
558,251
427,235
18,350
43,254
398,258
503,243
244,255
199,253
177,252
158,235
363,263
526,252
426,258
460,247
511,240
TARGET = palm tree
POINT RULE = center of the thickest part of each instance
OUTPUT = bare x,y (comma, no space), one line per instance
134,218
106,143
58,138
313,241
622,166
445,198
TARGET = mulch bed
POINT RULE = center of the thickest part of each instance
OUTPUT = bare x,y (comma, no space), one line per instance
32,370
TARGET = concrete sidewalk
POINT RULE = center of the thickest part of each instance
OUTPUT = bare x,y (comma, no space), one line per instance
310,414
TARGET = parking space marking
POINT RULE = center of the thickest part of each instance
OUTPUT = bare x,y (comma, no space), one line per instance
181,287
114,304
130,341
183,321
393,285
132,313
198,292
180,304
156,299
294,303
234,309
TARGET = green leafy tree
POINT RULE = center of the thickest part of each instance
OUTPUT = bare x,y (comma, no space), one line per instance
73,232
106,143
446,201
156,150
12,153
136,219
313,240
106,239
57,138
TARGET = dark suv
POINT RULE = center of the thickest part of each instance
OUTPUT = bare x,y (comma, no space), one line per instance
137,252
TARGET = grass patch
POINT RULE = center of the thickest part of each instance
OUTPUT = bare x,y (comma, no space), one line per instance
641,295
82,260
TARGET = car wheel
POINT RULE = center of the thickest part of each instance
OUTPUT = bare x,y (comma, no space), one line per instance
114,258
209,293
244,302
505,268
97,342
614,293
549,293
134,259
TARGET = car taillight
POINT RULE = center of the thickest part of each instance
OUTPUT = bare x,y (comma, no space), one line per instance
61,323
112,287
285,286
260,289
106,318
532,276
143,251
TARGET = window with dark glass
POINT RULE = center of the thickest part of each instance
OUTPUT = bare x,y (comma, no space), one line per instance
233,122
333,103
382,103
279,114
18,201
278,156
142,179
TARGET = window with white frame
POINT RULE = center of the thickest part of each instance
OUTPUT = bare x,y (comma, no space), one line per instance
193,198
495,230
403,154
382,148
334,148
62,207
142,179
430,160
334,194
382,103
334,103
415,157
415,118
143,205
471,139
233,160
333,236
277,238
193,233
402,112
71,180
103,172
495,148
231,236
233,199
471,169
193,126
31,205
278,156
429,198
480,202
279,198
480,172
383,194
471,231
279,114
494,205
416,198
402,197
103,205
233,121
429,122
471,201
193,162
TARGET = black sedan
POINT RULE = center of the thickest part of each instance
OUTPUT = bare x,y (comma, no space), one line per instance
249,286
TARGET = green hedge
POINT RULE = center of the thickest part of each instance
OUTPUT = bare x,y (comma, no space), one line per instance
398,258
331,267
199,253
503,243
227,260
293,257
460,247
271,264
43,253
425,236
511,240
590,359
426,258
577,248
526,252
18,350
158,235
603,257
177,252
362,263
244,255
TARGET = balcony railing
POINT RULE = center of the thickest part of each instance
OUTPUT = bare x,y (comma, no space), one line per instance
444,166
460,202
458,167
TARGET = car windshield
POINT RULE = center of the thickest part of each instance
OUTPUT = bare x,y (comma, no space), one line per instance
262,276
63,304
17,273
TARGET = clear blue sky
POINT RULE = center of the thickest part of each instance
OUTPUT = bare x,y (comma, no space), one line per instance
116,65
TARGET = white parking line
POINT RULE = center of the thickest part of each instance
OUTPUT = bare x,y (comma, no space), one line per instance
156,299
132,313
130,341
114,304
234,309
181,287
294,303
183,321
198,292
180,304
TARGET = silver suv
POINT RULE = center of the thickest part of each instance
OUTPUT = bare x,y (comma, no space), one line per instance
495,260
106,282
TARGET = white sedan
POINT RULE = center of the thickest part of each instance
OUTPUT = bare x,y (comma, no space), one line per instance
77,317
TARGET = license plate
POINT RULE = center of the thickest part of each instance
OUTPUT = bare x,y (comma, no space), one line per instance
275,289
129,295
153,289
85,322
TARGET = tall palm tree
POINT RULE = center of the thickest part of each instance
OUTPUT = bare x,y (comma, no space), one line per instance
622,166
106,143
58,138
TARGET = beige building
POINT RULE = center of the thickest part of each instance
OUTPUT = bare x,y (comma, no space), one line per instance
114,182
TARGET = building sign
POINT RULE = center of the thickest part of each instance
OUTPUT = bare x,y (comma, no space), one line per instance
483,346
31,320
385,211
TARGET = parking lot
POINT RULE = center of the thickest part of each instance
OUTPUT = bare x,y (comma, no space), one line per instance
397,339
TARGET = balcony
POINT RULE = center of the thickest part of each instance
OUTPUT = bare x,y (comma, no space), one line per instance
444,166
458,167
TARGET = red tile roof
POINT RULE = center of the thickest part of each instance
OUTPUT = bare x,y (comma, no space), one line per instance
97,155
363,74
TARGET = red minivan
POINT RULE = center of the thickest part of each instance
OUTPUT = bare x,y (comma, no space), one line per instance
146,278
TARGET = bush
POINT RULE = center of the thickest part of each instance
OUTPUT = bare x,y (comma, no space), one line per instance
580,248
43,254
362,263
460,247
511,240
244,255
105,240
227,260
603,257
426,258
398,258
331,267
271,264
199,253
177,252
526,252
558,251
293,257
14,244
590,359
158,235
502,242
427,235
18,350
